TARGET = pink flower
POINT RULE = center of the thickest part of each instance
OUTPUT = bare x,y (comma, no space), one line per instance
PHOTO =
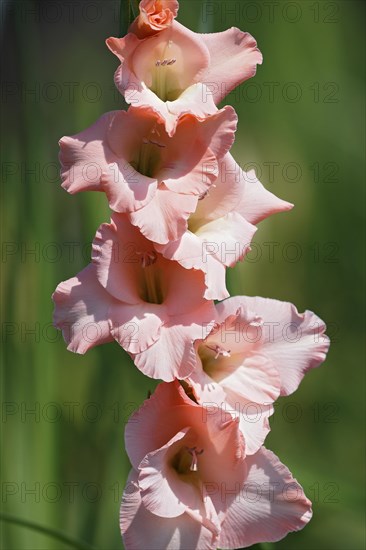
220,230
155,16
177,71
154,178
192,485
152,307
258,350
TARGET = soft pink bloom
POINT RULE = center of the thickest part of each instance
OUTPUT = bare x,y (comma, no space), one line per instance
258,350
152,307
155,16
192,486
178,70
155,178
220,230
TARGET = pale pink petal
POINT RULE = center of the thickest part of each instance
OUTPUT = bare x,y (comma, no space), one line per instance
173,355
157,532
271,504
256,377
183,178
225,195
257,203
294,342
91,160
222,461
253,416
190,156
185,290
227,238
234,57
192,253
84,157
165,217
196,100
141,434
115,257
136,327
253,419
82,311
207,392
163,491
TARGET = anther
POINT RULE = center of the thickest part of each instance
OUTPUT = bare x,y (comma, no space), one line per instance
165,62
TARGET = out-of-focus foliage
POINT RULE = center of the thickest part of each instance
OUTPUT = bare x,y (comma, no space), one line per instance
301,125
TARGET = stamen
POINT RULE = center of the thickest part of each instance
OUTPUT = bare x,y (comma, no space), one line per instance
219,351
147,258
194,464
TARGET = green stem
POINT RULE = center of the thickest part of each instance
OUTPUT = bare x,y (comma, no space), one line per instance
73,543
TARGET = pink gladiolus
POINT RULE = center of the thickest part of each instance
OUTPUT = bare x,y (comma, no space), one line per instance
152,307
183,212
221,228
192,485
258,350
155,178
177,71
155,16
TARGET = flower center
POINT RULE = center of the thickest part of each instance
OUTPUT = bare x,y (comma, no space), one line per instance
151,287
148,157
159,63
213,357
186,460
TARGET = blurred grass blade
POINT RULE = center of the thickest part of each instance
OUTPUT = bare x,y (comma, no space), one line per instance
134,7
73,543
128,12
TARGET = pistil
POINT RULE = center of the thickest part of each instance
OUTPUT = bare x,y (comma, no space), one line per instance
219,351
194,453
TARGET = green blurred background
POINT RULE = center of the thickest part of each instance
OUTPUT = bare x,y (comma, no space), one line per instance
302,127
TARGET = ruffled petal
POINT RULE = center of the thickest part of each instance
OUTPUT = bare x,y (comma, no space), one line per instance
165,217
271,504
136,327
116,259
255,377
234,57
141,435
163,492
294,342
225,195
84,157
173,355
82,311
257,203
192,253
253,419
141,529
227,238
